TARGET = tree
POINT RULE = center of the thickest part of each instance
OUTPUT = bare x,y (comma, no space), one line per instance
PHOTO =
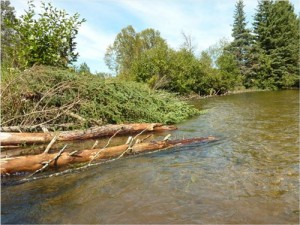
153,66
285,36
188,44
8,19
185,72
219,71
47,38
241,45
84,69
120,55
128,46
276,29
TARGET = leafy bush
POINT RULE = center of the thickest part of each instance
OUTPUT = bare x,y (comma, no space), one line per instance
47,38
49,94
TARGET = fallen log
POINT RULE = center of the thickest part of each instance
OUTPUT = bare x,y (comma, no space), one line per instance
36,128
33,163
9,138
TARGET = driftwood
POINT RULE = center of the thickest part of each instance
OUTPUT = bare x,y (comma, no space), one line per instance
8,138
34,163
38,127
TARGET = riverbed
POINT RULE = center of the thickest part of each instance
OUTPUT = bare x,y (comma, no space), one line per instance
249,175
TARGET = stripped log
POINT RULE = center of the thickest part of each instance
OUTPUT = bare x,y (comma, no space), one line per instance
33,163
94,132
36,128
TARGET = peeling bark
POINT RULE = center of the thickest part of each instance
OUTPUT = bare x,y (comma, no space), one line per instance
33,163
8,138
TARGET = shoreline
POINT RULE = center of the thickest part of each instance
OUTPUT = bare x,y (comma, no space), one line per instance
198,97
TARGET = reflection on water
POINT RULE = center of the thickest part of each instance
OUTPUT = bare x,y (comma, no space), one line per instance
250,175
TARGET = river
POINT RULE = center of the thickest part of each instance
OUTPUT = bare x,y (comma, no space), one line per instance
250,175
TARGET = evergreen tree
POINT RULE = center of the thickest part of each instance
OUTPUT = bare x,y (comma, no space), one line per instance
241,45
276,29
284,54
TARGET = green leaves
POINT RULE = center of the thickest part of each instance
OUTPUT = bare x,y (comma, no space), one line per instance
47,38
91,97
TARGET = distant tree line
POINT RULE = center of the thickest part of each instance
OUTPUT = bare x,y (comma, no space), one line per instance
266,56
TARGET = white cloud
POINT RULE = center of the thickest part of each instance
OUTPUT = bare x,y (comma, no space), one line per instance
173,17
91,45
92,42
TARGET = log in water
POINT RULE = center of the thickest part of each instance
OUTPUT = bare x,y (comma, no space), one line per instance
34,163
10,138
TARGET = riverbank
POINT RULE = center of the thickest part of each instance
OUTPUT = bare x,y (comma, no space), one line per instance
238,91
45,95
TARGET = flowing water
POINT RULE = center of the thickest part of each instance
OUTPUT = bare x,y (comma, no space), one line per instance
250,175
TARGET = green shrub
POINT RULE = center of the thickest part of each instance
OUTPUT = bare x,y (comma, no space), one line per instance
48,95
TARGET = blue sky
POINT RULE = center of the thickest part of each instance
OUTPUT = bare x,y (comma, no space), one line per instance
206,21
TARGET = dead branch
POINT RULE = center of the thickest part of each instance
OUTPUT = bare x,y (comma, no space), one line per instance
48,163
50,144
96,155
80,118
95,144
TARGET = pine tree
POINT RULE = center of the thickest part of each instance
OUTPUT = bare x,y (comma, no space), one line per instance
284,52
241,45
261,68
276,29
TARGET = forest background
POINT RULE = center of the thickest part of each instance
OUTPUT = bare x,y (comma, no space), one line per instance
262,56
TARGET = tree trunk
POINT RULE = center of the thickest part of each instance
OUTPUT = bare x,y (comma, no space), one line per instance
33,163
94,132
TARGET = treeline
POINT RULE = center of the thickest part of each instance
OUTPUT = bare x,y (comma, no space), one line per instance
146,57
265,56
41,87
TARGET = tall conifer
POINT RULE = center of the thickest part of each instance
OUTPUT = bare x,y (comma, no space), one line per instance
241,45
276,29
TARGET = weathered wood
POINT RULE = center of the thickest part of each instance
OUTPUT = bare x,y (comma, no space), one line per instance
36,127
33,163
94,132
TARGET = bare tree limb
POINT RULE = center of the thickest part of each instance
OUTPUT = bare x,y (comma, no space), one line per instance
48,163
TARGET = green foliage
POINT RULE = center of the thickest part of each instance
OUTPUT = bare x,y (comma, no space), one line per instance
8,18
47,38
83,69
153,67
185,72
127,47
277,33
45,95
220,72
242,43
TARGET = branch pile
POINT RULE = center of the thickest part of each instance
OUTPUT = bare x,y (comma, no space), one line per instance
42,97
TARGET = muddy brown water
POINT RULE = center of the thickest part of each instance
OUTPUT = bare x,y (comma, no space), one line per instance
250,175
